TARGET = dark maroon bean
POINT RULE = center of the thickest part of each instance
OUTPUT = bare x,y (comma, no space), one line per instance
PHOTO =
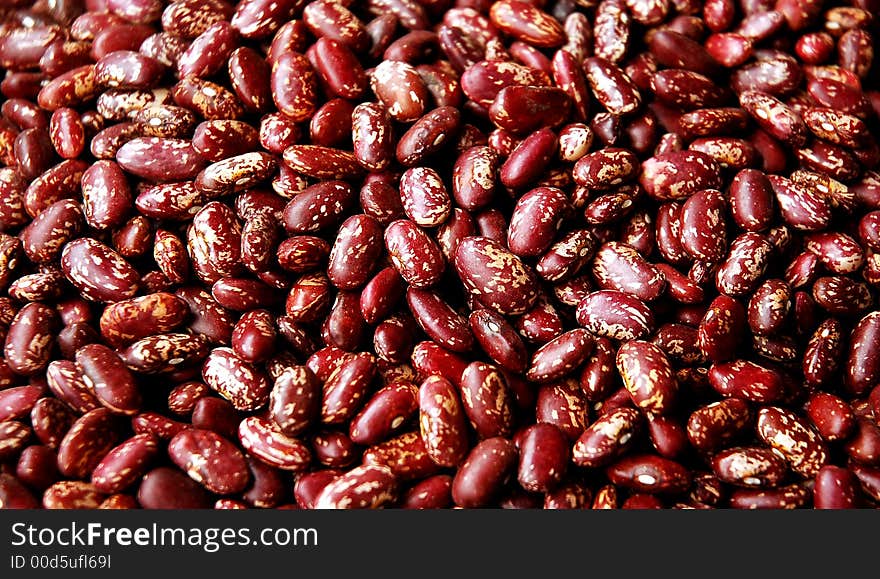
769,306
478,481
428,135
864,445
543,456
647,375
535,221
703,230
400,89
836,488
749,466
620,267
385,412
495,275
649,473
486,400
862,368
106,375
615,315
792,437
168,488
210,460
678,174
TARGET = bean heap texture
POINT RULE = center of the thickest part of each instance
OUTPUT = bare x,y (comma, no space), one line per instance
439,253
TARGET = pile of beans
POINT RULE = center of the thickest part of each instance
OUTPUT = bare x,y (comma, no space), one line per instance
439,253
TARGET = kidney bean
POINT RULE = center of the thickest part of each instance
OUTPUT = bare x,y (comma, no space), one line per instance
317,207
864,444
647,375
544,295
801,206
486,400
433,493
237,380
769,307
596,379
862,367
210,460
371,135
29,339
18,402
309,485
333,449
568,496
529,159
439,321
106,375
299,254
616,315
560,356
831,416
676,175
165,353
668,436
498,339
345,389
400,90
836,488
125,464
867,478
366,486
473,177
620,267
606,498
487,466
353,255
125,321
72,495
184,396
793,438
745,263
788,497
36,467
747,380
564,405
168,488
442,422
386,411
427,136
89,439
567,257
98,272
254,336
525,109
14,436
495,275
841,295
66,383
703,228
157,425
714,425
344,326
749,466
406,456
543,457
608,437
649,473
216,415
60,181
262,439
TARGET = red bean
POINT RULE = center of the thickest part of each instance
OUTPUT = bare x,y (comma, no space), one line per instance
290,217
